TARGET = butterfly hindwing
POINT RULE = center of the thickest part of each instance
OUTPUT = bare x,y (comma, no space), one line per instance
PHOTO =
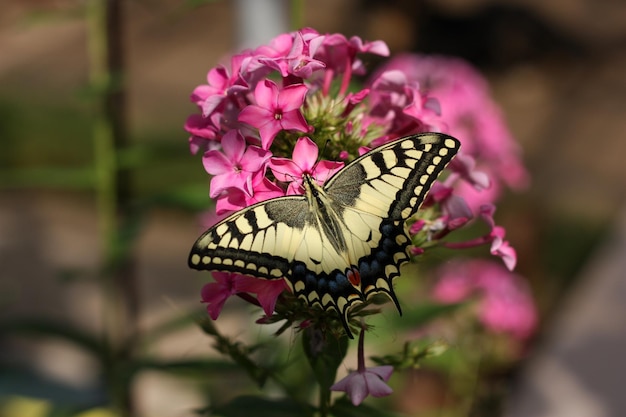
377,193
339,244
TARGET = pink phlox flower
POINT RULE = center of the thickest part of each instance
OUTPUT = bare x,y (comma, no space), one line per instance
275,110
299,60
468,111
267,58
465,166
220,84
453,287
499,247
204,134
228,284
400,105
371,381
363,382
363,150
267,292
277,47
304,162
337,50
476,198
453,207
216,293
508,307
354,99
417,226
235,166
505,303
495,237
234,199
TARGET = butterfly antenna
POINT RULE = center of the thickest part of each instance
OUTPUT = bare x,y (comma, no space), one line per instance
319,159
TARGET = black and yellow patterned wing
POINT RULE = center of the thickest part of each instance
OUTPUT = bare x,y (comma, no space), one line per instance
339,244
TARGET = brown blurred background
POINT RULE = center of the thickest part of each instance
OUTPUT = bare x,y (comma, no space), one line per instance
558,69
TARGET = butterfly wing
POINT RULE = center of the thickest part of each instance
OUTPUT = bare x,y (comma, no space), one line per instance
392,180
339,244
258,240
375,195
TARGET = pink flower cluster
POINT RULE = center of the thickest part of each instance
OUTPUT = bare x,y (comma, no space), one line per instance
469,114
505,304
263,116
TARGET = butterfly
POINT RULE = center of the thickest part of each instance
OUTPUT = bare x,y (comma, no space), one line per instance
338,244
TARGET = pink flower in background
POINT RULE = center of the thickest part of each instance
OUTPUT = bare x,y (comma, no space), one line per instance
495,237
304,162
275,110
399,105
468,113
505,304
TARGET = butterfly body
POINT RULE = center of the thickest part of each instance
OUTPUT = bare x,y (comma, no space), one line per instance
337,244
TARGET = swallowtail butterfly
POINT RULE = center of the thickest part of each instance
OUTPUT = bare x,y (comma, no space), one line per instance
337,244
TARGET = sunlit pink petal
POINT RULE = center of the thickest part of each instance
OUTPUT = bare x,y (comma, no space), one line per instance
293,120
255,116
285,169
266,94
254,158
292,97
234,145
216,163
305,154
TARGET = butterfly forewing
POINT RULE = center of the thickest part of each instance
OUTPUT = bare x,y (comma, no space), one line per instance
393,179
338,245
257,240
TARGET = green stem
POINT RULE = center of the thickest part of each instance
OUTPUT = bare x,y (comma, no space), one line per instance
120,309
297,14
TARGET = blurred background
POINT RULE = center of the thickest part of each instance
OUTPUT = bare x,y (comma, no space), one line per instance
557,69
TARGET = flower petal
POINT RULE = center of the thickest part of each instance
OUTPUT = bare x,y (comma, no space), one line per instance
305,154
294,120
266,94
292,97
284,169
376,386
234,146
255,116
216,163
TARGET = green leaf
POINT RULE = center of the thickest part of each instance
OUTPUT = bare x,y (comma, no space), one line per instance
249,405
344,408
